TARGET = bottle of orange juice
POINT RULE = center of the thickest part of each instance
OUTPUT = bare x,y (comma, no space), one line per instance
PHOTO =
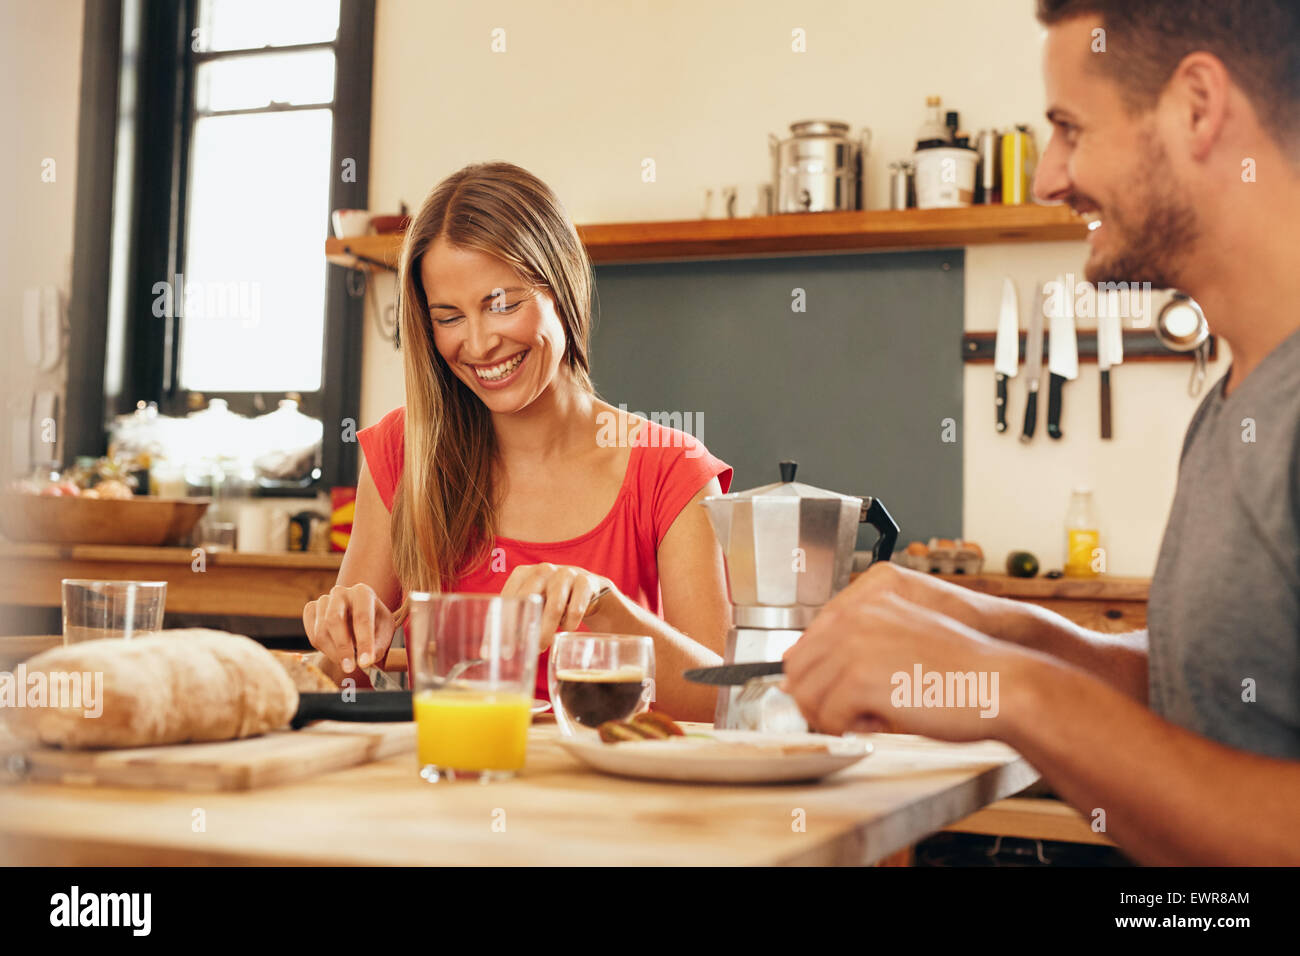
1082,536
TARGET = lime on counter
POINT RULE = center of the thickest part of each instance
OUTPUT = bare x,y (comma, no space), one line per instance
1022,564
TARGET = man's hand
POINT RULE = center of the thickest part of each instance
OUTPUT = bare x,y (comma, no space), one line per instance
982,612
854,670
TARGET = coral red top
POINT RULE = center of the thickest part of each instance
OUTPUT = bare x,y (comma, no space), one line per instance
665,470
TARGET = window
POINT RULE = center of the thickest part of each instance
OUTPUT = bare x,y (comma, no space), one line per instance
258,195
228,130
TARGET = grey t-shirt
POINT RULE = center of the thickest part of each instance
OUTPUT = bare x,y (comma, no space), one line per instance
1224,611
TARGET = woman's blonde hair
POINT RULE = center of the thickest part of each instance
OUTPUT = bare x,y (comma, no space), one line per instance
444,514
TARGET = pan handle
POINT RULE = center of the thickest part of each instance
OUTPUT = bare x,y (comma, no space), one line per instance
877,515
370,706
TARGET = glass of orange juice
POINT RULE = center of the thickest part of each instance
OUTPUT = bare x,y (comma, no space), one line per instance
474,664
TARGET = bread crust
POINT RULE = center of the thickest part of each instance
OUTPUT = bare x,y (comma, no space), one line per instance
178,686
306,676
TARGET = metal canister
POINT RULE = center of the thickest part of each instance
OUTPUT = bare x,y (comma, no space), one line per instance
900,184
988,185
819,167
1019,157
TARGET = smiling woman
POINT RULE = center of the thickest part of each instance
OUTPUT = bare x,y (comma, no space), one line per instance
499,475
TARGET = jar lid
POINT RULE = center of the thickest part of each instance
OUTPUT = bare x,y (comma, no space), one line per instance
819,128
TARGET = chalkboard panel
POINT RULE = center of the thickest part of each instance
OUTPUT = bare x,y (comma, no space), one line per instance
863,388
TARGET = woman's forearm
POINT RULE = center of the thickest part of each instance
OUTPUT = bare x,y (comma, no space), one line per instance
674,653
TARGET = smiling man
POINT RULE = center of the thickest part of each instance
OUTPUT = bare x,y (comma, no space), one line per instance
1176,125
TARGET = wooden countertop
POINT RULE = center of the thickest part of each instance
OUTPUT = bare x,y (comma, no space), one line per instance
135,555
271,584
1102,588
556,812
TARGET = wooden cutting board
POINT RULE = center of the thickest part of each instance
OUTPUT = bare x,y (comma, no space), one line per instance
248,764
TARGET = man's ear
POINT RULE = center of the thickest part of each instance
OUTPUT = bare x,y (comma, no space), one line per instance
1200,89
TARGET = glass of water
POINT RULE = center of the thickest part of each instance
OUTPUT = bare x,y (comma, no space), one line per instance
123,609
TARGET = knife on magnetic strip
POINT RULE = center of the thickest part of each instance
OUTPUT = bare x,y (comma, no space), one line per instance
1006,355
1062,357
1110,351
1033,364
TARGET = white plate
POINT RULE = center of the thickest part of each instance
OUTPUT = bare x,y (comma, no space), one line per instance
728,756
540,706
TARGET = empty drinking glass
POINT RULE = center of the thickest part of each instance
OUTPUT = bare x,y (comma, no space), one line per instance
100,609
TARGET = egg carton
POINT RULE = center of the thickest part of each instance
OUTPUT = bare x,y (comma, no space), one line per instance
942,559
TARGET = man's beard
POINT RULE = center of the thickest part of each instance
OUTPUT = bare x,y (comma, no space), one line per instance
1155,242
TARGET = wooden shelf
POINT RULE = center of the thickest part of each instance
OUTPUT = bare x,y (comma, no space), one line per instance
793,233
380,249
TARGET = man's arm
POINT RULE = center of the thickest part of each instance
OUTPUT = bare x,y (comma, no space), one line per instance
1170,797
1118,659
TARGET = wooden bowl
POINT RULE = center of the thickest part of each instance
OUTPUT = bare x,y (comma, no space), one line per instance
66,520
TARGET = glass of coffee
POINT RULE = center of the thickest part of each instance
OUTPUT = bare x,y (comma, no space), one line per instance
598,677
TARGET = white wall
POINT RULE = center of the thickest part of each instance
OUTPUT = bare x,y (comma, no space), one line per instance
1016,494
585,91
40,85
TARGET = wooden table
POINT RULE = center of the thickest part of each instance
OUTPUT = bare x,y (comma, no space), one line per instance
556,812
230,582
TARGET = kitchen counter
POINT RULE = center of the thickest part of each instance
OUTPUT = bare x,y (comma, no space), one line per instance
556,812
1102,588
1108,604
232,582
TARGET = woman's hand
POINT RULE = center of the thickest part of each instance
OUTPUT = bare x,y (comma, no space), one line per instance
350,626
570,594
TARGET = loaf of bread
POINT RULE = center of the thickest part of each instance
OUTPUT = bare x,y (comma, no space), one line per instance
305,674
178,686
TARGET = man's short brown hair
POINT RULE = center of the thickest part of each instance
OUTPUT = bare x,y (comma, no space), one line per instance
1257,40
